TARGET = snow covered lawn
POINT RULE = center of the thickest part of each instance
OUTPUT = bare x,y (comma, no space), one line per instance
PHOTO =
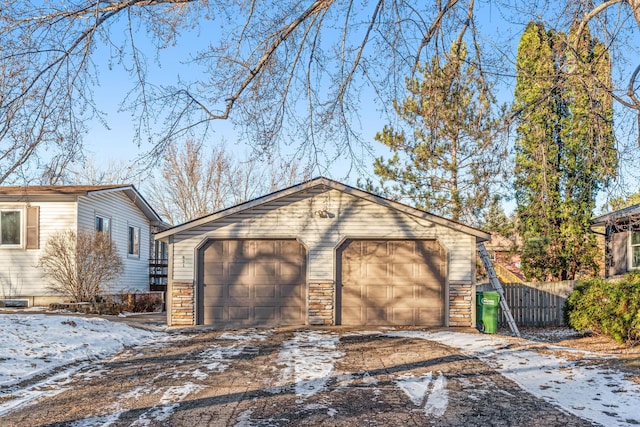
574,383
39,355
52,347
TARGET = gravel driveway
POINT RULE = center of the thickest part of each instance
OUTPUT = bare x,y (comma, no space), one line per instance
286,377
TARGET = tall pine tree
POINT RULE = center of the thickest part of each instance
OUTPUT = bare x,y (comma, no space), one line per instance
565,149
451,154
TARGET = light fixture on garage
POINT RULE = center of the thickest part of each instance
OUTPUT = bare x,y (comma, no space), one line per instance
323,213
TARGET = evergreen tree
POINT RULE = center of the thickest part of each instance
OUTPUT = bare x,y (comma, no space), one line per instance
449,159
565,149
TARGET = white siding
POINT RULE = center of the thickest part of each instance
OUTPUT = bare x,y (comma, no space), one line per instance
300,215
123,213
20,269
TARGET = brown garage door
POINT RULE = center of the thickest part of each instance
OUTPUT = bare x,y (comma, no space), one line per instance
391,282
252,283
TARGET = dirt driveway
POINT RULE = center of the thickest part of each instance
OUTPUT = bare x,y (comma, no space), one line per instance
286,377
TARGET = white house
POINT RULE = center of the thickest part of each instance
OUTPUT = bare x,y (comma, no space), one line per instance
29,215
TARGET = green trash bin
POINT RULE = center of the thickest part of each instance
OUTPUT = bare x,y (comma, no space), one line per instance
487,304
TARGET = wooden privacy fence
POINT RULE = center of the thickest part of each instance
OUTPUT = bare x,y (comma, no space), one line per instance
535,304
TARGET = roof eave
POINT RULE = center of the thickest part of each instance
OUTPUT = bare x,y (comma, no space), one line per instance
481,236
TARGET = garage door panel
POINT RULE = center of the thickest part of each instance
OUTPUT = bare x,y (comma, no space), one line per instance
402,249
376,316
403,282
377,292
290,273
294,292
239,291
253,282
265,313
239,313
265,247
402,316
375,270
402,270
265,291
240,269
265,269
430,317
408,293
292,315
353,313
213,291
375,249
214,313
213,272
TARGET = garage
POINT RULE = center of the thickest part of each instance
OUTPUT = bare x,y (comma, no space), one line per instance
321,253
391,282
252,282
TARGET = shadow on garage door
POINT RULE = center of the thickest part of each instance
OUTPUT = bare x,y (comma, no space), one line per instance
257,282
391,282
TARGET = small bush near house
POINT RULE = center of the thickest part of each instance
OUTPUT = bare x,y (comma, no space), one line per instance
610,308
140,302
79,265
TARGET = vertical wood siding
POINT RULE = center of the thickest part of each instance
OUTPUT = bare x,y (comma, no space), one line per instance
535,304
123,213
20,274
302,215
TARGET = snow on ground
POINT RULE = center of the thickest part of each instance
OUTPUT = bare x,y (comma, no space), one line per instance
33,345
588,391
308,359
53,348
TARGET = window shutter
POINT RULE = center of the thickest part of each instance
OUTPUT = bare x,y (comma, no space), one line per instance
33,227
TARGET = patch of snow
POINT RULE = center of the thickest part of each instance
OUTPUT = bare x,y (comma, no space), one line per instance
169,402
13,398
550,334
54,347
591,392
368,379
217,358
308,359
415,388
245,335
422,388
36,344
438,399
245,420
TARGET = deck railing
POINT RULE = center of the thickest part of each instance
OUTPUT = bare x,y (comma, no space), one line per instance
158,274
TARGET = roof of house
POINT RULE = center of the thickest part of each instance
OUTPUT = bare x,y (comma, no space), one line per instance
621,215
53,192
480,235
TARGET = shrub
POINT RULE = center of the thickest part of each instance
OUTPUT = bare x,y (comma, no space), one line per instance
79,265
606,307
140,302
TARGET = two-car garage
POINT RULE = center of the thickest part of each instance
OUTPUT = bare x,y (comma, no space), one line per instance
260,282
321,253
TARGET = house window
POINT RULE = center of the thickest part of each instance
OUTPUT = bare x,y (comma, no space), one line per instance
103,225
10,227
635,249
134,241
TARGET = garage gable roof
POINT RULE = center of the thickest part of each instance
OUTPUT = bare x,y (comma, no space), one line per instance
480,235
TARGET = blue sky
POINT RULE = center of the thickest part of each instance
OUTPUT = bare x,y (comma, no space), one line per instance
116,143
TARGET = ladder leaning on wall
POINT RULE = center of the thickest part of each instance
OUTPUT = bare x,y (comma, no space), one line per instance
495,282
